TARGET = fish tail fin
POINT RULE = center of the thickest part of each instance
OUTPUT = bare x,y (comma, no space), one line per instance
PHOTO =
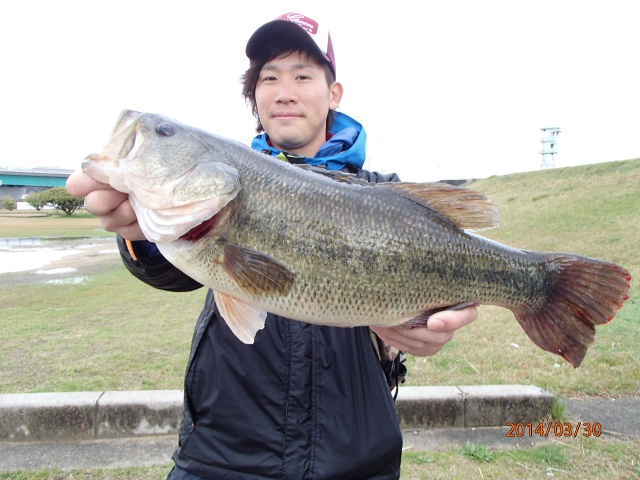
586,293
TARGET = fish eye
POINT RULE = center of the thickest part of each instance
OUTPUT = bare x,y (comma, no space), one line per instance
165,129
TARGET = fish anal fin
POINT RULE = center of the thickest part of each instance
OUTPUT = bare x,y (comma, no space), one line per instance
243,319
585,293
256,273
422,318
465,208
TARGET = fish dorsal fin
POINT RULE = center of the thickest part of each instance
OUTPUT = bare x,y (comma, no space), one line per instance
256,273
243,319
337,175
465,208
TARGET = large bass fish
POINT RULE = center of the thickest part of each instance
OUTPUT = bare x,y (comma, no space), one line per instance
268,236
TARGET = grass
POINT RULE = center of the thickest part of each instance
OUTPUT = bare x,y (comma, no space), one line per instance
584,458
48,223
129,473
477,451
558,412
580,458
115,333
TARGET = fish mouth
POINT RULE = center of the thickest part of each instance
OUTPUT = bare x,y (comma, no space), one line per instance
125,143
126,137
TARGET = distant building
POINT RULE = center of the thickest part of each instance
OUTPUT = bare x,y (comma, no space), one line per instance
18,182
549,146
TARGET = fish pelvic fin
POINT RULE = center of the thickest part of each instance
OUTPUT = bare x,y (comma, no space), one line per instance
465,208
243,319
587,293
256,273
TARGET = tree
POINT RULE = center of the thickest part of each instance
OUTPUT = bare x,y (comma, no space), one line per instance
35,200
8,203
59,198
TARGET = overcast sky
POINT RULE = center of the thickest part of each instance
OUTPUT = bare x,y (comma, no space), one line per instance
445,89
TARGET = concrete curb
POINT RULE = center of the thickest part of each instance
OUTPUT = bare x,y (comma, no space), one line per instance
104,415
89,415
471,406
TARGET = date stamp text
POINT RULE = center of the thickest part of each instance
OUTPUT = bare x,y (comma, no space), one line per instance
554,429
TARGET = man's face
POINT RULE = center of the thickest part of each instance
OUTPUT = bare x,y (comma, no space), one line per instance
293,101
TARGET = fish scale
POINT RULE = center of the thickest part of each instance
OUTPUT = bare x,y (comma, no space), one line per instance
327,248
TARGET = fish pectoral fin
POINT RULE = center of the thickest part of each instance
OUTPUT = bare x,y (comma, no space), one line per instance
257,273
243,319
465,208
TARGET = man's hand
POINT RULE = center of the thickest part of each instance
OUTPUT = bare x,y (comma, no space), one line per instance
424,342
110,206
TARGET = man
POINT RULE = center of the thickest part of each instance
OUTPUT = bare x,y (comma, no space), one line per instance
304,401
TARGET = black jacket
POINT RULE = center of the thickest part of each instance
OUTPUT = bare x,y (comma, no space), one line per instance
303,402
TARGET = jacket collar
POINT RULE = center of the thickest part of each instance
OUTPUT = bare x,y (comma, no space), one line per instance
345,147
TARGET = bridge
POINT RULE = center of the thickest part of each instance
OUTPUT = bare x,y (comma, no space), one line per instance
16,182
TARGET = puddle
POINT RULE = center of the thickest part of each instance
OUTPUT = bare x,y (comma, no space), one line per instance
28,254
69,281
22,260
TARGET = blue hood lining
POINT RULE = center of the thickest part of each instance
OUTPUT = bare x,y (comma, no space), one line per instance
346,147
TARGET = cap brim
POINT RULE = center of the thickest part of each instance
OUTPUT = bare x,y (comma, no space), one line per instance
284,32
